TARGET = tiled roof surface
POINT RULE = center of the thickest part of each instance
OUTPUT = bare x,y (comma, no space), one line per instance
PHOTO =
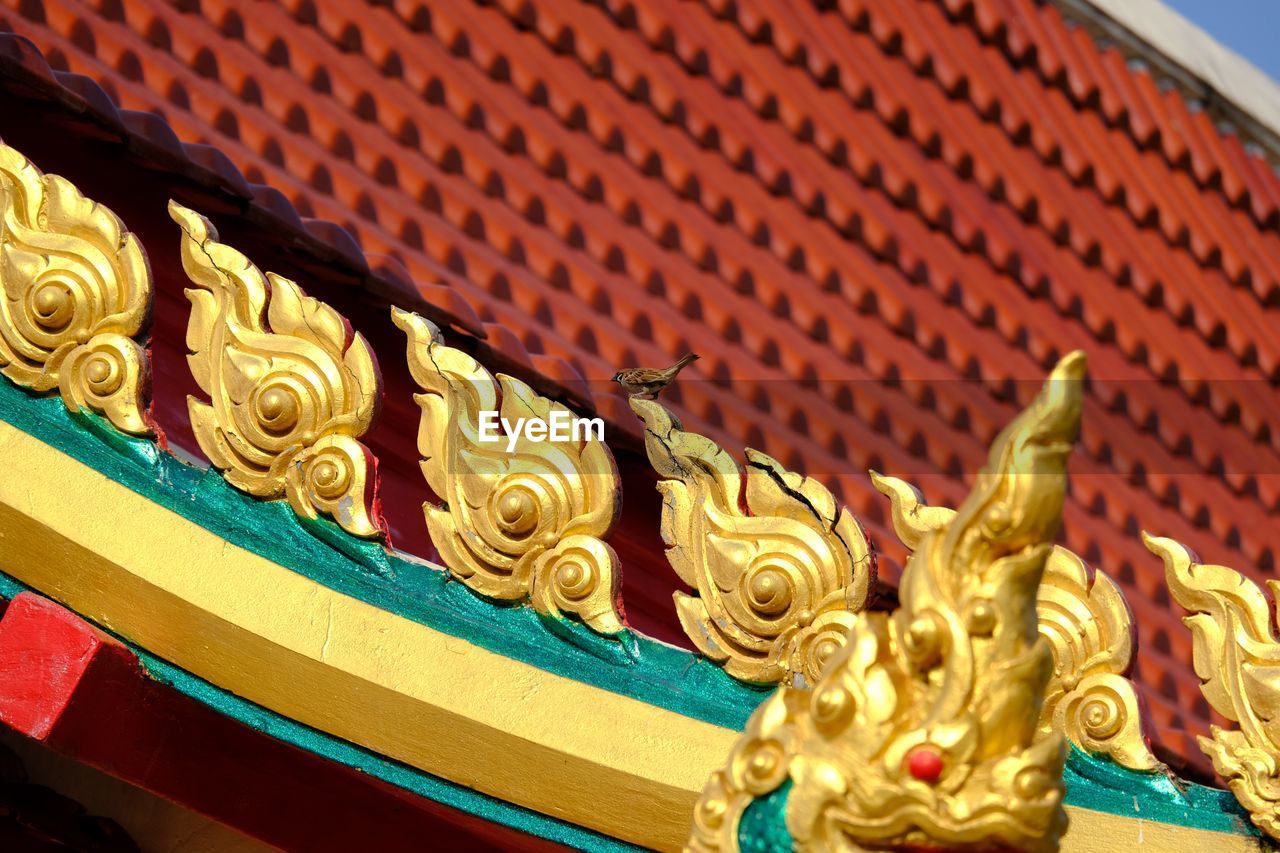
846,207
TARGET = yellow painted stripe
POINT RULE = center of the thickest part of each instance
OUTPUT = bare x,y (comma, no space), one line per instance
1099,832
347,668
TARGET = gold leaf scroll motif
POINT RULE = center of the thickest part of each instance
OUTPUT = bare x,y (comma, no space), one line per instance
779,581
519,521
1237,656
290,387
1085,618
924,730
75,293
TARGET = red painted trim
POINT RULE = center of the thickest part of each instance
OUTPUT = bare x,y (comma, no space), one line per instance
86,696
49,658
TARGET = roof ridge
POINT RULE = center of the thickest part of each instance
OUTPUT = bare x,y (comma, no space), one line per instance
1232,176
1187,54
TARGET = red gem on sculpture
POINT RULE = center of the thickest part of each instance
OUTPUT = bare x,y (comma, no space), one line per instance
925,764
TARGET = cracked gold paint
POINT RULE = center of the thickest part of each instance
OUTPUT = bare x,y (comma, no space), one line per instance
1085,618
525,523
955,675
1237,656
777,582
291,388
75,294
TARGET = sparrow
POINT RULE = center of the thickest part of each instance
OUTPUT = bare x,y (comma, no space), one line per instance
645,382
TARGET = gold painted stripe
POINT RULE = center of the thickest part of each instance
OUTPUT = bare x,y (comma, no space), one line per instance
345,667
1100,832
406,691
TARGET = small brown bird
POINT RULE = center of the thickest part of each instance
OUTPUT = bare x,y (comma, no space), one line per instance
646,382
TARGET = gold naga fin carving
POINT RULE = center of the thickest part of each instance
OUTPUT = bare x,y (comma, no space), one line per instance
291,388
1089,626
778,566
924,730
75,294
518,518
1236,654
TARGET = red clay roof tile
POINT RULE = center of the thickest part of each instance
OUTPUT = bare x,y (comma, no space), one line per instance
871,196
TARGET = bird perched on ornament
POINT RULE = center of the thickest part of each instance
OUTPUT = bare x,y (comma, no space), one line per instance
646,382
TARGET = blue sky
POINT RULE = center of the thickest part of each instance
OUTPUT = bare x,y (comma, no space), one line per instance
1249,27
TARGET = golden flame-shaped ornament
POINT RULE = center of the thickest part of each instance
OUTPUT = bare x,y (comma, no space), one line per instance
291,388
924,731
1237,656
75,293
520,518
779,567
1090,628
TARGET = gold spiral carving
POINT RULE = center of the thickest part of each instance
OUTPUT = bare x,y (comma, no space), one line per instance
1089,626
923,731
778,566
76,293
291,388
518,519
1237,656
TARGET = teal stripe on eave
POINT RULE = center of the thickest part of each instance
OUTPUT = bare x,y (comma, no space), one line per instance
1104,786
630,664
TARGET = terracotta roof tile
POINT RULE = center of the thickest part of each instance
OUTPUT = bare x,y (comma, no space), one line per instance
872,220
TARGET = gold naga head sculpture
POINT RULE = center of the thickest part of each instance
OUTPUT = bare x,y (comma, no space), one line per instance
923,731
1090,629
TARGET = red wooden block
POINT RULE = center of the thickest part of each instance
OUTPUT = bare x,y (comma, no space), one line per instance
50,659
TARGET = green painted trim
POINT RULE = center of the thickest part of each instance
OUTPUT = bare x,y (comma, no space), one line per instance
630,664
1103,786
763,825
335,749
